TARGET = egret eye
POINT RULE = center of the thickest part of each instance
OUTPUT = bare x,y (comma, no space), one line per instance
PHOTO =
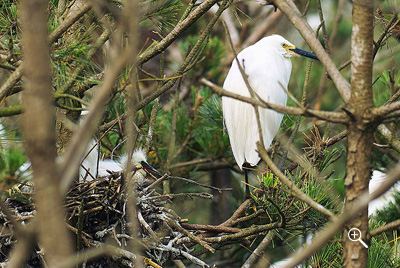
284,45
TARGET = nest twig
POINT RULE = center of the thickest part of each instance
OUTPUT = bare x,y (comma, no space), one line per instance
96,215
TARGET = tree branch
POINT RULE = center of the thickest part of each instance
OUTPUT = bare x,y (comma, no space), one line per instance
387,227
327,116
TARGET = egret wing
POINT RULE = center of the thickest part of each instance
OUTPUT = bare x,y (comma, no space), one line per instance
267,75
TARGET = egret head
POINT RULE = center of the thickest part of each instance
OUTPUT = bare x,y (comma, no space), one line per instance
288,49
138,157
139,162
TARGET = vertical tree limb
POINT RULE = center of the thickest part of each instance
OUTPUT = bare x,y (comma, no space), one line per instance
130,19
360,134
39,132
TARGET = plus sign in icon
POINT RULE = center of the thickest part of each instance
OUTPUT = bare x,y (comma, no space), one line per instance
354,235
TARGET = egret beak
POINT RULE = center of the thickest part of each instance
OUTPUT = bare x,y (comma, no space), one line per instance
304,53
149,169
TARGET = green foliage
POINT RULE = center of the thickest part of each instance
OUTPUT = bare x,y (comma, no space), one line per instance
329,158
211,55
162,14
70,54
391,211
204,124
198,130
382,251
8,16
329,256
54,2
163,128
11,153
283,202
214,55
208,132
269,180
288,122
10,161
338,186
9,27
383,88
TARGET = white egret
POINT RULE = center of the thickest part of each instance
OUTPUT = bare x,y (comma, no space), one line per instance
100,168
267,66
142,170
92,167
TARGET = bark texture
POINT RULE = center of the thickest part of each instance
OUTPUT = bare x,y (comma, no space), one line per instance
360,132
39,132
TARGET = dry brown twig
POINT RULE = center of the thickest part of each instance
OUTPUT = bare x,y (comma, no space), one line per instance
39,131
259,251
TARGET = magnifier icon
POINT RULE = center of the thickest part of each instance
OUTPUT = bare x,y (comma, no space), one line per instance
354,235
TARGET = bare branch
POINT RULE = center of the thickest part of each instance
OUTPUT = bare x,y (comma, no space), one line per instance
241,209
328,116
259,251
76,149
10,111
390,137
262,29
96,46
379,113
387,227
210,228
188,60
175,225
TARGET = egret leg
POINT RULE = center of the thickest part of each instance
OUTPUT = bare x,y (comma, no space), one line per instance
246,167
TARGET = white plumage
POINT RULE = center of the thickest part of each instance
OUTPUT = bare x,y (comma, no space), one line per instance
377,179
138,158
101,168
267,66
90,164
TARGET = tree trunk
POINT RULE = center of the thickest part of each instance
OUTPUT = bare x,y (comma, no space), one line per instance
39,132
360,133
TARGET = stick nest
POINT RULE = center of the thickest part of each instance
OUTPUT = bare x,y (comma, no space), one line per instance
97,214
